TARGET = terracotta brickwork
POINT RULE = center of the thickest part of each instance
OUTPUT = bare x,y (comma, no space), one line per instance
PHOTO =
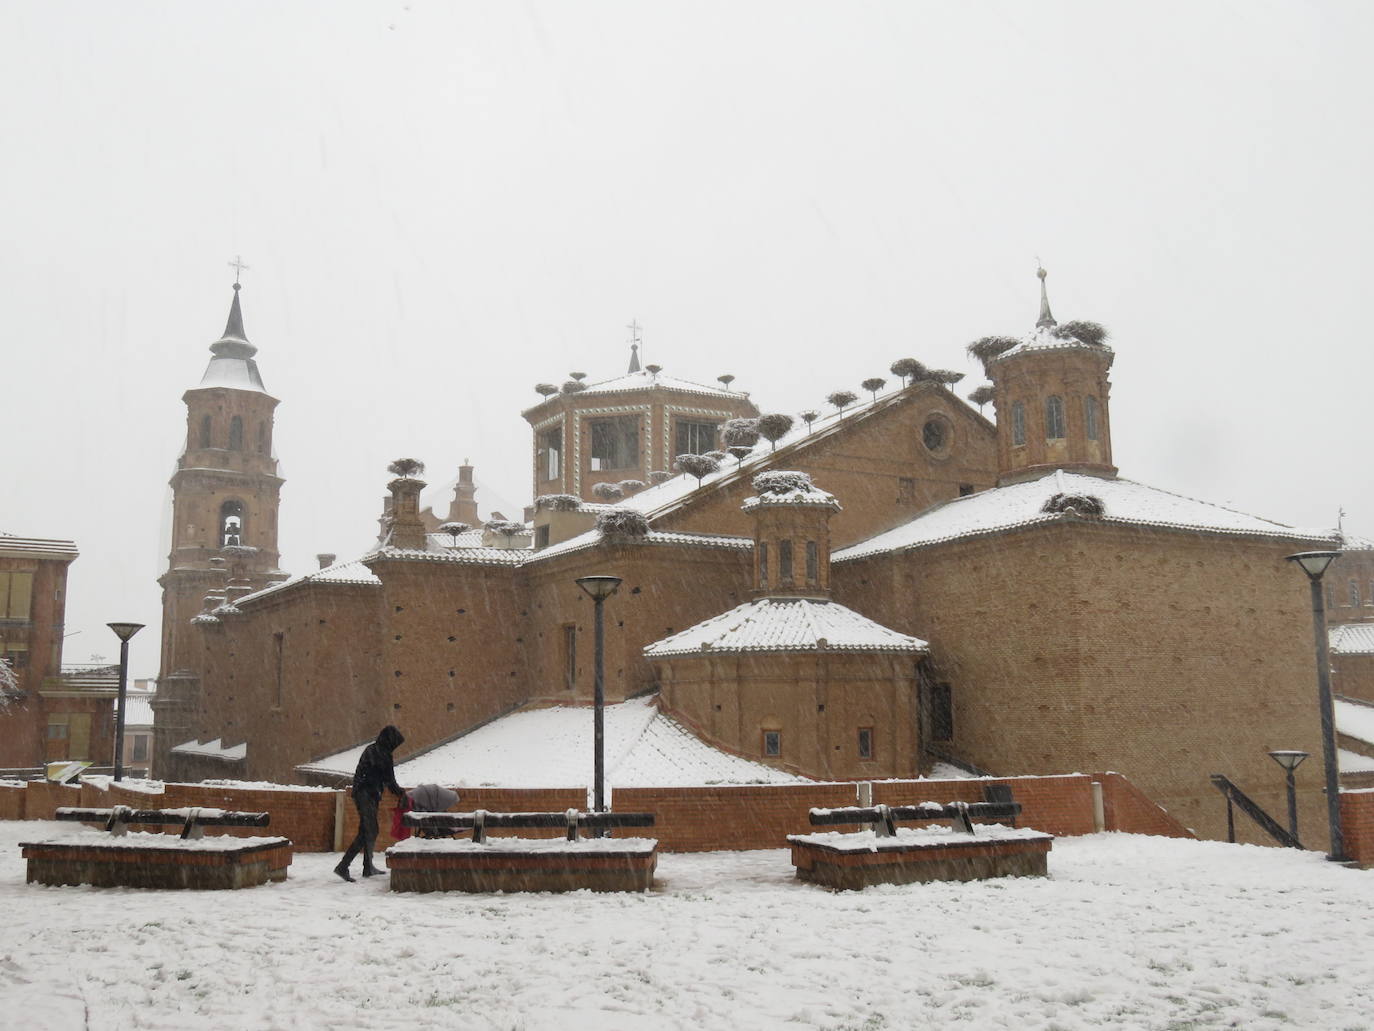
1127,808
1357,825
707,819
875,462
1056,805
495,800
1050,639
816,702
12,802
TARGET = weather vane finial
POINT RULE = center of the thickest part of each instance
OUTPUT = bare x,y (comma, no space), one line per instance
239,268
1046,319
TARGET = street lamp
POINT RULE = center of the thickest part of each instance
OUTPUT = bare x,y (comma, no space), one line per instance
1314,564
123,631
599,588
1290,761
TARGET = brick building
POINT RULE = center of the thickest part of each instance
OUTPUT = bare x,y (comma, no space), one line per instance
1044,614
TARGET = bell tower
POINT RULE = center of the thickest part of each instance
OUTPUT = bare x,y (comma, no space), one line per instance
1051,394
225,494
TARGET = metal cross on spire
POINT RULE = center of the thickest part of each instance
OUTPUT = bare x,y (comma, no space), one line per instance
239,268
636,341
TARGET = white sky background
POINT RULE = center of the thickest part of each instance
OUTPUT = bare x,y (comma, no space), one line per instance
444,204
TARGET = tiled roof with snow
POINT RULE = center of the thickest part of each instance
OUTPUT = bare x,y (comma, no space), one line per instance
1351,639
212,750
1021,505
1355,719
351,572
645,380
139,712
591,538
36,547
461,556
1050,338
553,748
785,625
813,497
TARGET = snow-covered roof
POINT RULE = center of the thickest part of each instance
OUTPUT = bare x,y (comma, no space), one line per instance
591,538
461,556
234,373
1050,338
785,625
36,547
1353,762
1352,639
1021,504
553,748
139,711
645,380
212,750
813,497
351,572
1355,719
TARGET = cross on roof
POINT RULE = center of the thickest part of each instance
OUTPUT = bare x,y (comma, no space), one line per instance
239,268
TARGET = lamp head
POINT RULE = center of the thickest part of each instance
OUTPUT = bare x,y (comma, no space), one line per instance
124,631
1314,563
598,588
1288,759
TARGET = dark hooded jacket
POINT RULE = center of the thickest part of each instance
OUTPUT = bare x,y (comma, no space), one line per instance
375,768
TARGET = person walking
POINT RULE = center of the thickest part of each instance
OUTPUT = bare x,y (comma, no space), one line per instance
375,771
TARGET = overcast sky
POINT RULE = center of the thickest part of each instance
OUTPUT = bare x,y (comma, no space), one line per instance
442,204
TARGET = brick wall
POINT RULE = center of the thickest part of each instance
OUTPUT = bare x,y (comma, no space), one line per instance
42,799
729,817
686,819
1357,825
12,802
1127,808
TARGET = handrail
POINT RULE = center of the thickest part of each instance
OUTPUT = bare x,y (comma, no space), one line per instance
1250,808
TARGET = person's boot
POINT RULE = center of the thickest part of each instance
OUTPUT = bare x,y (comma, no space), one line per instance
372,871
342,871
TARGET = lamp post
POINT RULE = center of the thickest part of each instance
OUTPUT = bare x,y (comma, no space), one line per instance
123,631
599,588
1290,761
1314,564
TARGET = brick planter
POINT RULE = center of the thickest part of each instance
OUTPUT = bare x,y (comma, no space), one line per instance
166,863
834,862
517,864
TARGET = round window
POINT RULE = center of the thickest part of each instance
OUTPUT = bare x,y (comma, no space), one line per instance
935,435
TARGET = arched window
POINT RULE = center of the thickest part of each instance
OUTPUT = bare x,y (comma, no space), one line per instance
763,563
1054,417
813,562
1355,593
262,438
784,561
1018,423
236,434
1090,416
205,431
230,523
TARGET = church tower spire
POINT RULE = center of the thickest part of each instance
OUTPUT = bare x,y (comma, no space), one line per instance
1046,319
225,499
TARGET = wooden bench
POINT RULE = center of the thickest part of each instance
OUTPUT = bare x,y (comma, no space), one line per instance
142,860
881,855
483,864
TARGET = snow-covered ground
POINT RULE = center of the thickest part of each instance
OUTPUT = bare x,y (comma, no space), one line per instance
1128,932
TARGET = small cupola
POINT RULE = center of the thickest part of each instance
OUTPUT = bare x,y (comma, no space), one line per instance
791,535
1051,392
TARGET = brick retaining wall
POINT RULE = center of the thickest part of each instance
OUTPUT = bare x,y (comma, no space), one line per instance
687,819
1357,825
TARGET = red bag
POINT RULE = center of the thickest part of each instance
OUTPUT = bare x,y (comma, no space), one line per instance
399,830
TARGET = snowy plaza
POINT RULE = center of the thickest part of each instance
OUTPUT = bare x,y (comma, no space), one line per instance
1127,932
